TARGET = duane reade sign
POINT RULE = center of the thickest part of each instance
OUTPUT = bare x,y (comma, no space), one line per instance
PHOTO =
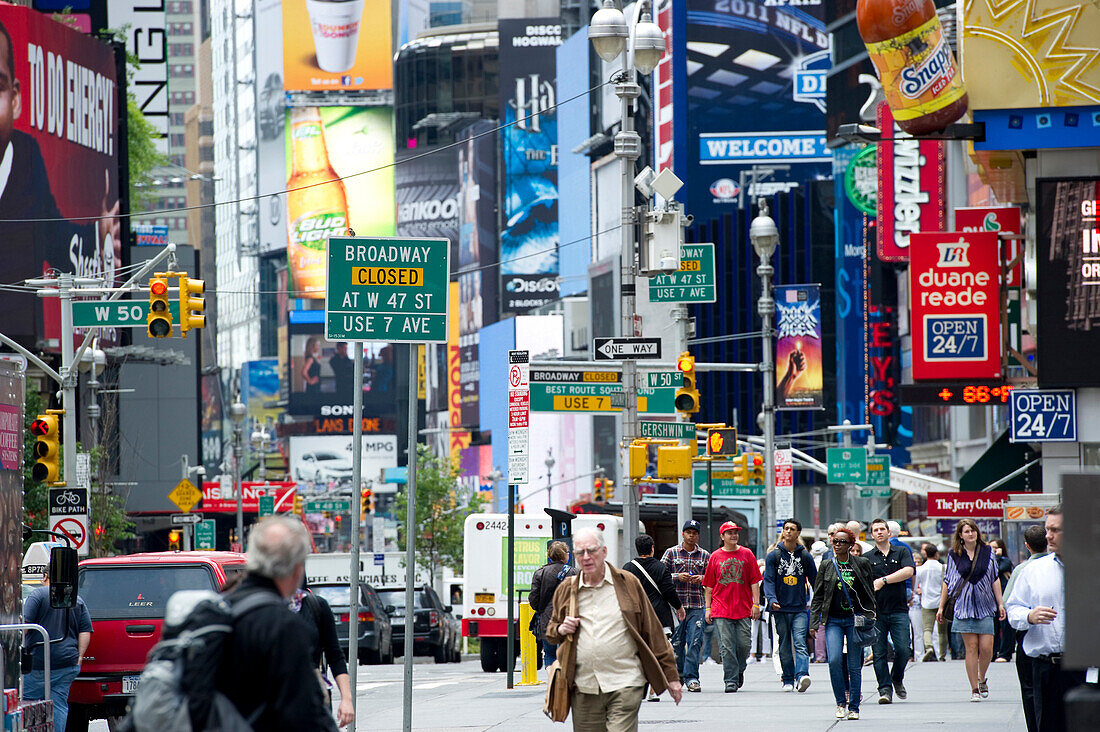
387,289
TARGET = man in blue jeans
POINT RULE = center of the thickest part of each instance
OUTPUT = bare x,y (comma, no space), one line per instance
70,633
789,572
891,566
687,562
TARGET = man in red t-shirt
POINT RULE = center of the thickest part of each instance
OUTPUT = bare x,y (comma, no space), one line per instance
732,600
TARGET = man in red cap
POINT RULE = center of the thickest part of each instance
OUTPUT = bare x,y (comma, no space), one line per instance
732,600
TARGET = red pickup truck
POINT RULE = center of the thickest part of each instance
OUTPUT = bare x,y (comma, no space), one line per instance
126,597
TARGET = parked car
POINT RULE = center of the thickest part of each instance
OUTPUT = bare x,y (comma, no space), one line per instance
126,597
375,631
322,466
436,632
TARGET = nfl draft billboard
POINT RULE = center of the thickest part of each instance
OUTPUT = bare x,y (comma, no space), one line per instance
955,305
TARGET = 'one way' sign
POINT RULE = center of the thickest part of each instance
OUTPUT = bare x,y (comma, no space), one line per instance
614,349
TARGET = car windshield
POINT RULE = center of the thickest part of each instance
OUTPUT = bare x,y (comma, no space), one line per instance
397,599
119,593
328,456
335,595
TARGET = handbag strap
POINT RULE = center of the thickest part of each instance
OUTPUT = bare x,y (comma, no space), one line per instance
974,563
844,587
639,566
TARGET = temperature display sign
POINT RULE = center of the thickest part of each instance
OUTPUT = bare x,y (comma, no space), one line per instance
1043,415
955,394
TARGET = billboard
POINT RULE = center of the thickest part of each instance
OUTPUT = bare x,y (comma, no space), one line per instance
954,304
271,113
60,145
1067,236
323,463
260,388
146,30
755,76
348,46
529,229
911,189
798,368
211,423
321,374
329,192
216,500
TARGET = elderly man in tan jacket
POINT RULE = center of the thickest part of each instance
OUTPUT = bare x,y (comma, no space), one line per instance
617,642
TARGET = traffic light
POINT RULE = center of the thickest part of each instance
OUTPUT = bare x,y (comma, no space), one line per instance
687,396
748,468
674,461
46,448
366,502
174,540
638,460
608,489
159,318
298,508
597,491
191,306
756,468
722,442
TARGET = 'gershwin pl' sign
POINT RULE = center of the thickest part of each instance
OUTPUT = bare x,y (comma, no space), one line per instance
387,289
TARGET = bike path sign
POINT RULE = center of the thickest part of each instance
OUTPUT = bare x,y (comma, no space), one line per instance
68,501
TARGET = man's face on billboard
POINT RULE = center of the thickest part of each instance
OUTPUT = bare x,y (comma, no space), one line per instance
9,94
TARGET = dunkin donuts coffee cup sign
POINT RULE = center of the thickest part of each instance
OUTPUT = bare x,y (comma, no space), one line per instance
955,305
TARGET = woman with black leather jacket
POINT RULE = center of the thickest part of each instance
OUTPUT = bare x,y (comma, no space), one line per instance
544,583
836,610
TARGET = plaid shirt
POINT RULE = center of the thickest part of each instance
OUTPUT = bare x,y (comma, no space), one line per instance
680,561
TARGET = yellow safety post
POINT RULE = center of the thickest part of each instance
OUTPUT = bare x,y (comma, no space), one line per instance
528,648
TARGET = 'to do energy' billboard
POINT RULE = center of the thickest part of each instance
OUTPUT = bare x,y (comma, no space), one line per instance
954,305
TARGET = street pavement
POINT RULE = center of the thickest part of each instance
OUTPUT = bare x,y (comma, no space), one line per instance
461,697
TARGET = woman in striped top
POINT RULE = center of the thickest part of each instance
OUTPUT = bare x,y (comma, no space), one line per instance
971,578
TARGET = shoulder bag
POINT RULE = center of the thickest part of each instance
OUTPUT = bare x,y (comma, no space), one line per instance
866,631
949,603
558,694
636,563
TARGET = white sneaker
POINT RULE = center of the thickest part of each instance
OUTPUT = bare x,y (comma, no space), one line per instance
803,683
841,712
788,687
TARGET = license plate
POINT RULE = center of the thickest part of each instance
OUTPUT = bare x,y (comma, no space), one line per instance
483,597
130,684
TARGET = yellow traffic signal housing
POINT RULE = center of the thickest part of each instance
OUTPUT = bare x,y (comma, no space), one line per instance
756,468
741,469
687,396
608,489
191,306
597,491
298,508
674,461
722,442
174,540
366,502
159,318
638,461
47,448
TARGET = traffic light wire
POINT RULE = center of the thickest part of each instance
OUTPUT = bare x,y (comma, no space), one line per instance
261,196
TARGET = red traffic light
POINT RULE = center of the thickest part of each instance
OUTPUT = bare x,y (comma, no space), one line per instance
158,287
757,459
685,363
40,427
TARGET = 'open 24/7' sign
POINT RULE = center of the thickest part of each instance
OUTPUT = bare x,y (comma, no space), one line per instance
1043,415
387,289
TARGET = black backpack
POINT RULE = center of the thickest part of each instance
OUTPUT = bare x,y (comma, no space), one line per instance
176,692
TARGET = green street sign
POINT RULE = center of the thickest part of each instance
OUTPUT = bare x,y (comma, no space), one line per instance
694,282
878,471
336,505
665,378
667,430
874,492
387,289
204,535
847,464
579,397
267,505
724,485
116,314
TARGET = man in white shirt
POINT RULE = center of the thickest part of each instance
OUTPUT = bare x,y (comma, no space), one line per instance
930,586
1035,539
1037,605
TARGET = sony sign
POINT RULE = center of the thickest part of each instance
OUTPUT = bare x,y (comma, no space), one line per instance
911,189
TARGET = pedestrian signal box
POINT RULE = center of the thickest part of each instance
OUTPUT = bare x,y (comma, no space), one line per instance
722,442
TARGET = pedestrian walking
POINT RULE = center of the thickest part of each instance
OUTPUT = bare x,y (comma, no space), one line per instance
266,669
1035,539
732,598
315,611
818,550
891,566
686,563
619,644
971,581
915,624
789,572
1037,605
544,582
70,631
930,586
657,584
843,588
1004,637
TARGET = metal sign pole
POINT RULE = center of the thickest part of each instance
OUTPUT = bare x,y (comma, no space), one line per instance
410,541
356,482
510,645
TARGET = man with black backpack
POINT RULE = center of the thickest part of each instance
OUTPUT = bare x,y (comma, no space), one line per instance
265,667
657,583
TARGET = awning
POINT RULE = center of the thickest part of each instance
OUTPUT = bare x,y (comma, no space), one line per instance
919,484
1000,459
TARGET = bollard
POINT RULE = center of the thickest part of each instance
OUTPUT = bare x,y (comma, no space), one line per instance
528,647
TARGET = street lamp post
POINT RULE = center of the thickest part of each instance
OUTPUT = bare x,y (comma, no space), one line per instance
237,413
644,45
764,236
549,462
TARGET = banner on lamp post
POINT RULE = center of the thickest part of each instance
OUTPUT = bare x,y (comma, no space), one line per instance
798,372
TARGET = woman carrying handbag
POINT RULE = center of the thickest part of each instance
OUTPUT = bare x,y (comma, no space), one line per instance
843,597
